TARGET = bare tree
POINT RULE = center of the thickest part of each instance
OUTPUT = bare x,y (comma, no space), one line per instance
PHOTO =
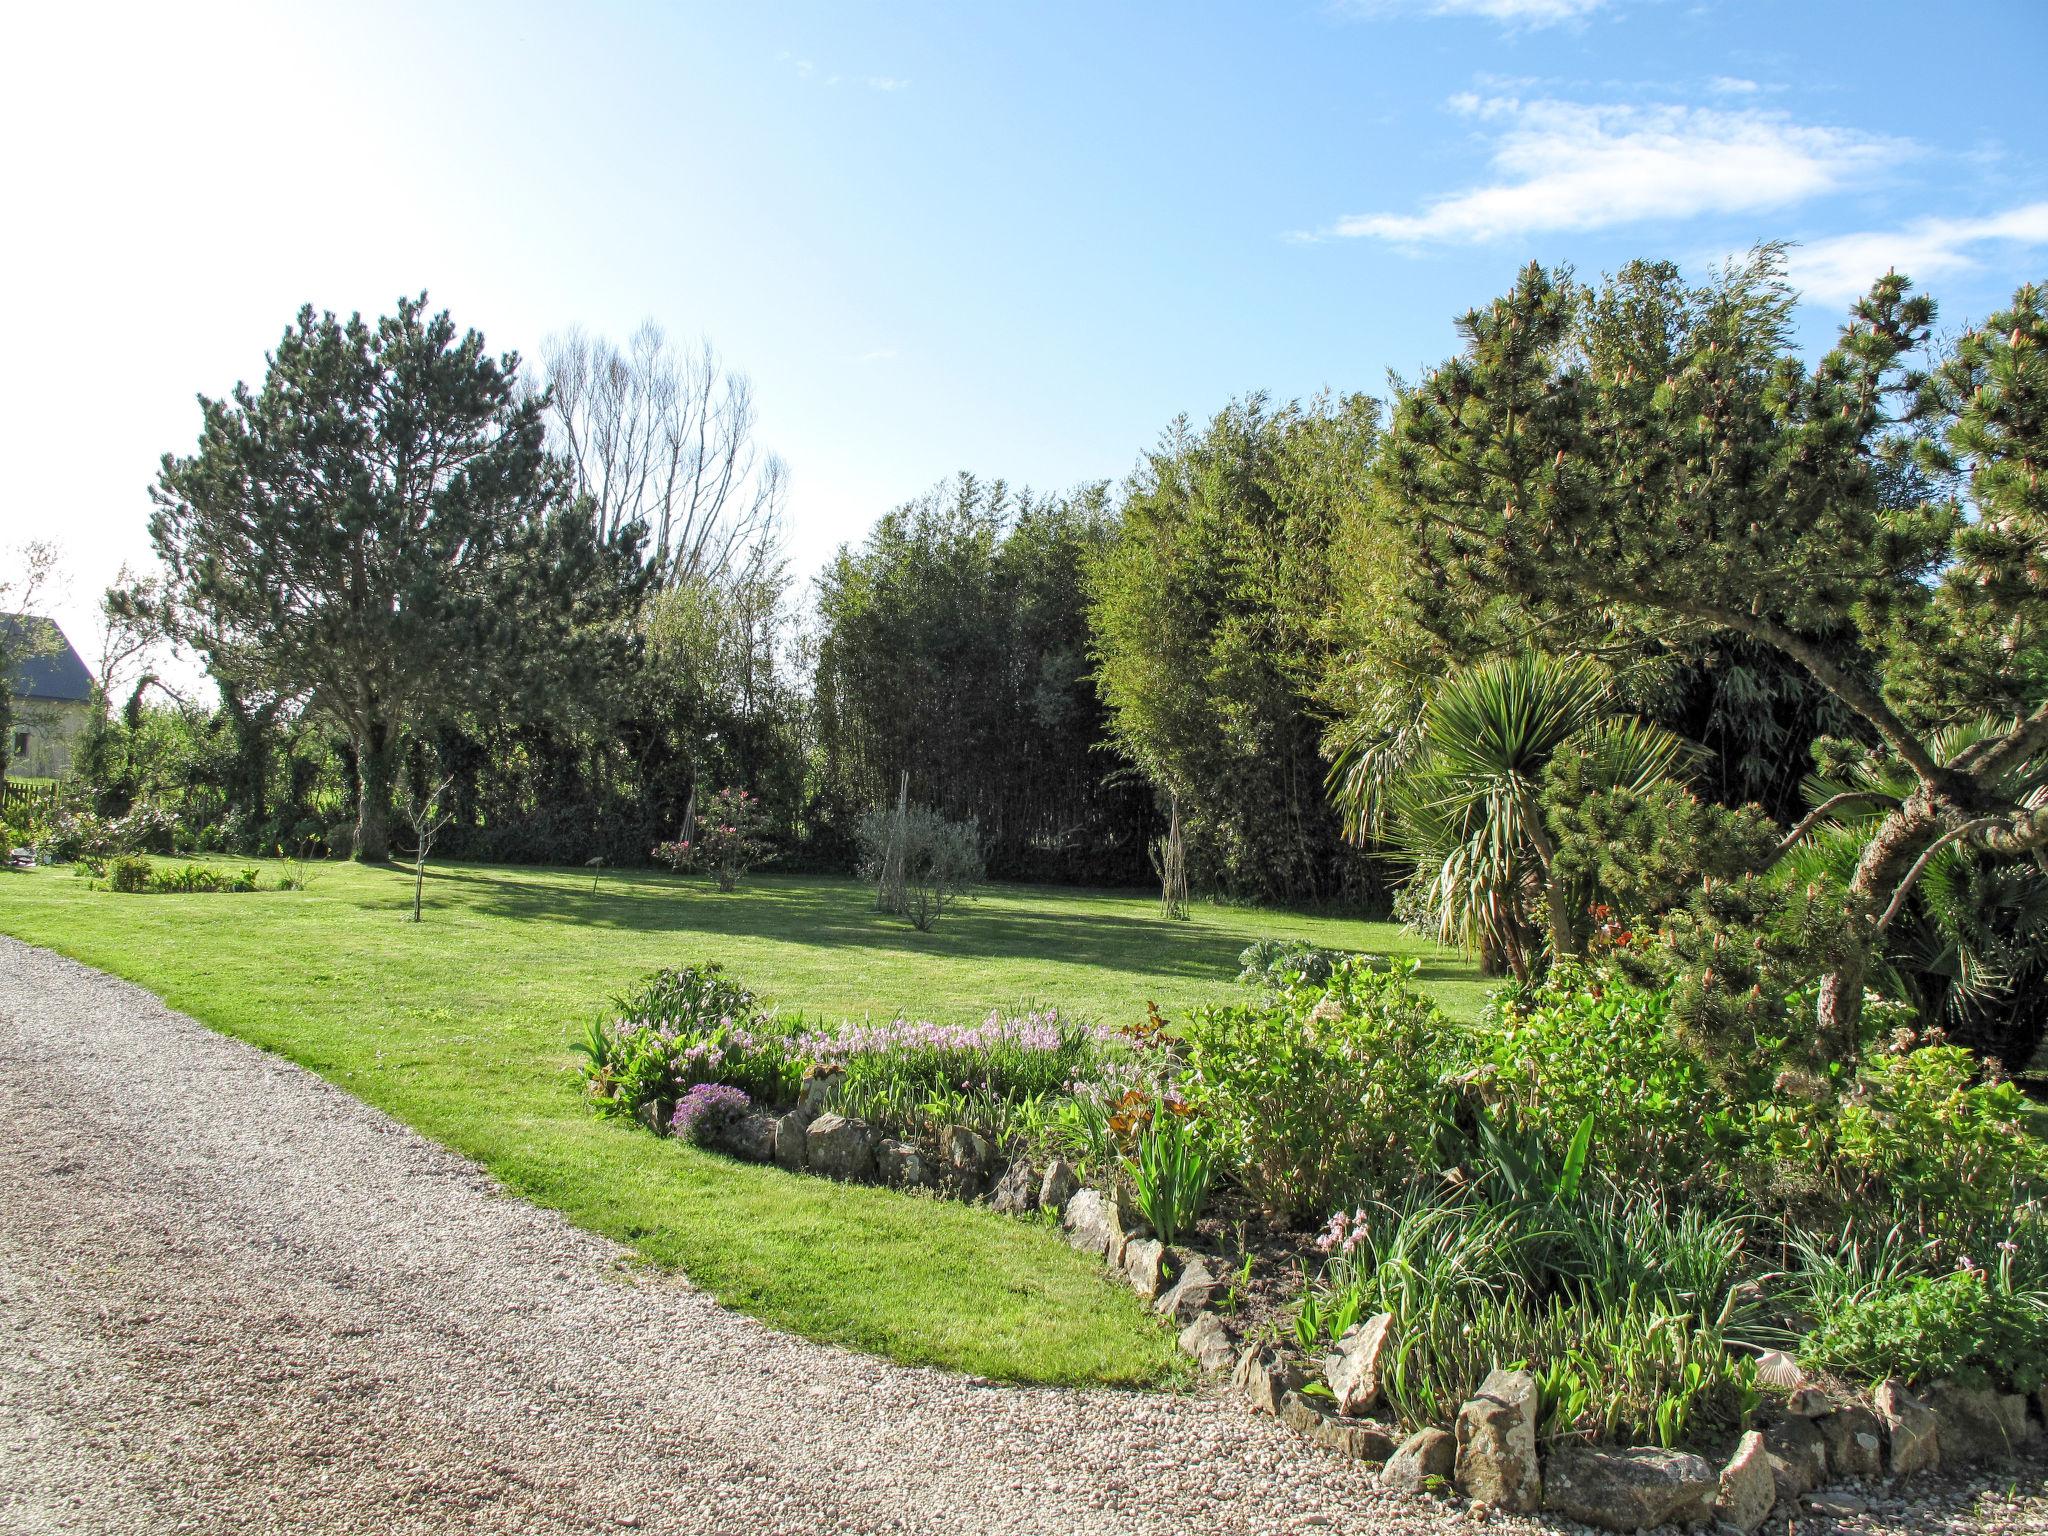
423,813
663,436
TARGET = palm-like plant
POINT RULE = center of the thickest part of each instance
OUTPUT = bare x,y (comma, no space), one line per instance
1456,792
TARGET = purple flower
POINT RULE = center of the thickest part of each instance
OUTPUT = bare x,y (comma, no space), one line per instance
706,1109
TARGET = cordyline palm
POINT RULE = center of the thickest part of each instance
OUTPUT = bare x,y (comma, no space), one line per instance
1457,793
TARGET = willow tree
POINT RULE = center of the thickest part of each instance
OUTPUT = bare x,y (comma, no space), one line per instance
1656,458
347,530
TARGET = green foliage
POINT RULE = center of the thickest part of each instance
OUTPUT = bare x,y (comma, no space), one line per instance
129,872
1280,965
1170,1170
1207,612
1315,1092
939,861
1590,1045
134,873
685,1026
1933,1138
953,644
1964,1326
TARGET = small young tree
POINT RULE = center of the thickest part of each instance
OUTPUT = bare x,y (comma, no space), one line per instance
731,840
1170,859
937,861
424,814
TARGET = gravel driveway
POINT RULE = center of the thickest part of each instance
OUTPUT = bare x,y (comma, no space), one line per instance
233,1298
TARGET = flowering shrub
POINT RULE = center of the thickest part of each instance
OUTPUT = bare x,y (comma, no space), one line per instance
1965,1325
684,1027
731,839
1311,1091
707,1109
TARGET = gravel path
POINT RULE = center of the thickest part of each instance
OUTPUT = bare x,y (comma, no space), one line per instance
232,1298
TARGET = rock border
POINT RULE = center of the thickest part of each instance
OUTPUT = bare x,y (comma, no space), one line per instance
1809,1454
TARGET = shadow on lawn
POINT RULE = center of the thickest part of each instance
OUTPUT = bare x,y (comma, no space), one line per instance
821,910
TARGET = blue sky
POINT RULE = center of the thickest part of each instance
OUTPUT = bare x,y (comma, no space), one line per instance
1013,238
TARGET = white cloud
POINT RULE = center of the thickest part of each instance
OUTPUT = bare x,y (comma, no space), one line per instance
1562,165
878,355
1512,13
887,83
1732,85
1841,267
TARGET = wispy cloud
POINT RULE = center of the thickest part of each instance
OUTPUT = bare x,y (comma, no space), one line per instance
1509,13
1560,165
878,355
887,83
1733,85
1841,267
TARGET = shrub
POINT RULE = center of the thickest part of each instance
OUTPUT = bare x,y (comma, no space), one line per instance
129,872
1963,1325
706,1110
921,862
730,840
1281,964
82,835
683,1027
1312,1093
1940,1143
1587,1044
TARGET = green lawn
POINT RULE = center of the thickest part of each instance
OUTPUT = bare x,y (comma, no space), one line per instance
460,1027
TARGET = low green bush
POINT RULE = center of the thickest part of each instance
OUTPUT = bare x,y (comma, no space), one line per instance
686,1026
1966,1325
129,872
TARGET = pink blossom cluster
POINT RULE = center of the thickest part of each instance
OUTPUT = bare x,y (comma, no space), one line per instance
1032,1032
1346,1231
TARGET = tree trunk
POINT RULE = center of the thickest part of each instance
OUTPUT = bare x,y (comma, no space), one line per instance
375,759
1885,861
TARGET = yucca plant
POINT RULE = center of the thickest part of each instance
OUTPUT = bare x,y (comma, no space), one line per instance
1456,794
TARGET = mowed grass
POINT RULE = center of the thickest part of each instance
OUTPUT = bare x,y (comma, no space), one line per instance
460,1026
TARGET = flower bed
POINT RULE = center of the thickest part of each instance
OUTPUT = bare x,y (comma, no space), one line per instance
1547,1262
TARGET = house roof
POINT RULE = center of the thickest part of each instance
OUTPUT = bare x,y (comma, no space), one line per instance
44,666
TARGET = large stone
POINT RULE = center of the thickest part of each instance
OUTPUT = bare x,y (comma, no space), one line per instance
963,1161
1093,1226
1347,1437
1496,1436
1912,1432
840,1148
1422,1463
821,1085
1629,1490
656,1114
1809,1403
1209,1342
1190,1294
1149,1266
900,1165
1264,1377
1353,1369
1798,1457
1747,1493
1977,1424
1855,1442
751,1137
1058,1186
1017,1190
790,1149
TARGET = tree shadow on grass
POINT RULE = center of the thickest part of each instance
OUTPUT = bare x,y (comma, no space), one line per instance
1008,922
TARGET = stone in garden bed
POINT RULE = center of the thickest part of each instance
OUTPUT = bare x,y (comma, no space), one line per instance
1496,1437
1356,1438
1209,1342
820,1083
1632,1490
840,1148
1059,1185
1149,1266
1855,1442
750,1136
1912,1432
1978,1424
963,1161
1798,1457
1190,1294
1353,1369
1264,1377
1094,1226
1017,1190
790,1150
1747,1493
1424,1460
900,1165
